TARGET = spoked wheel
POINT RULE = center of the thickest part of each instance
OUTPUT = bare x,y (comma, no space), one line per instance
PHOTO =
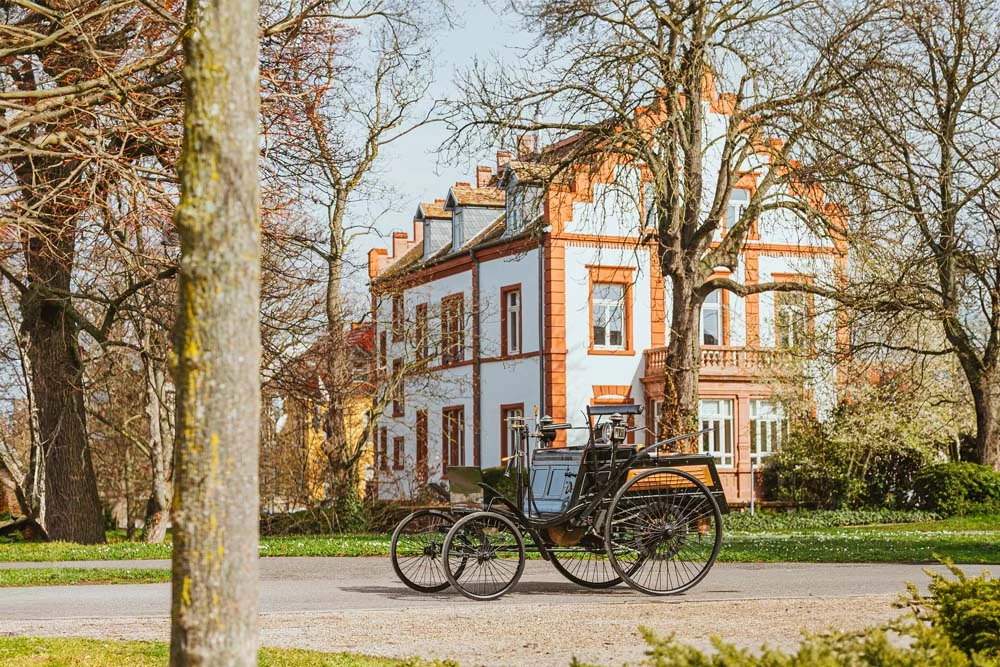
585,565
483,555
417,547
663,532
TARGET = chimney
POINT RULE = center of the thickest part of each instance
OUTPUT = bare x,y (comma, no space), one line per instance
483,176
398,244
418,232
526,146
503,157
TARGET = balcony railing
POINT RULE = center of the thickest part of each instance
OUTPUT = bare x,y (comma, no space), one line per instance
746,359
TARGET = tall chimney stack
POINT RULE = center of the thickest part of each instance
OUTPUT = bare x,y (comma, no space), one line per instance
483,176
503,157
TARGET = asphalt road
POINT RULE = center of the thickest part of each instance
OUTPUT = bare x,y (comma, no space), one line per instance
356,604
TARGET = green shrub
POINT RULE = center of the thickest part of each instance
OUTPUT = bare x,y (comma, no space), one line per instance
957,488
957,625
769,521
966,609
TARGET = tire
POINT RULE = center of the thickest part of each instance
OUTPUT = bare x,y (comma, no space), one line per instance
483,555
417,546
585,567
663,531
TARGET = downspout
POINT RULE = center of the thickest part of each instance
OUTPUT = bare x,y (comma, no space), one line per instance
541,322
476,365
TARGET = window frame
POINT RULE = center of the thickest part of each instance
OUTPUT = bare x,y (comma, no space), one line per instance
398,317
778,434
398,452
809,305
383,449
506,349
453,329
398,391
452,414
621,276
421,333
725,457
506,411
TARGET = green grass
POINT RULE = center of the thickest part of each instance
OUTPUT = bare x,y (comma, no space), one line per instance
68,576
961,539
36,652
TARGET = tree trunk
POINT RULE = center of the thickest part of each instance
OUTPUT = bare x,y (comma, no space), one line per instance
160,453
679,413
986,398
217,343
72,505
343,480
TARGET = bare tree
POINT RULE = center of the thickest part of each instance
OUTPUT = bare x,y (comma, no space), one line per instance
215,525
915,145
637,82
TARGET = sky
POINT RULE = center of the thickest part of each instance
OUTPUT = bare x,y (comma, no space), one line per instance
411,167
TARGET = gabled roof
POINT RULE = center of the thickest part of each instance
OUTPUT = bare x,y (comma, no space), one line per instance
433,211
464,195
527,172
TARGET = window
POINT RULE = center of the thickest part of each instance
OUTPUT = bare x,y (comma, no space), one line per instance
398,407
792,319
421,446
422,340
717,414
452,329
608,302
383,351
711,319
738,202
511,418
452,438
397,318
768,429
655,413
510,320
383,444
398,452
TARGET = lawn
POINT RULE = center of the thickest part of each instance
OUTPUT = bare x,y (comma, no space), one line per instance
35,652
961,539
68,576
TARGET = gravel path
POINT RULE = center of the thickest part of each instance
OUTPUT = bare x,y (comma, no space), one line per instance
357,605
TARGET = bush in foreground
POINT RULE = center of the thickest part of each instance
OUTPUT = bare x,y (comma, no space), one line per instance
957,489
957,625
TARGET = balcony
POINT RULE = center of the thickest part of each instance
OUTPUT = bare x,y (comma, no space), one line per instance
727,360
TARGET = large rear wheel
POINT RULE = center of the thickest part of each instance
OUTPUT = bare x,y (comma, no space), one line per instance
483,555
416,550
663,532
585,566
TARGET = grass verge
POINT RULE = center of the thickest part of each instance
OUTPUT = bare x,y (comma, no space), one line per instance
38,652
68,576
960,539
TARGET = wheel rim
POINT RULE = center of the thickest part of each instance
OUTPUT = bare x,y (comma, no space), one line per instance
417,546
484,555
665,538
588,567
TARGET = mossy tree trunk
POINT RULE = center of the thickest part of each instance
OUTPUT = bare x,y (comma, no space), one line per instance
217,342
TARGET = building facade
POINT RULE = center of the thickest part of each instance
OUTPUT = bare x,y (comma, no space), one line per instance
526,291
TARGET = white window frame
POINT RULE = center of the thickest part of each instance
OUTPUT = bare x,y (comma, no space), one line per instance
797,316
513,321
720,441
737,204
611,305
712,307
768,428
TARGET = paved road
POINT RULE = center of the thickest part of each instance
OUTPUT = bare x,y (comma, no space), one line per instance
357,604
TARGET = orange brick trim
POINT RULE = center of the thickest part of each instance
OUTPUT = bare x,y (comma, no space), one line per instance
751,259
611,394
555,332
657,304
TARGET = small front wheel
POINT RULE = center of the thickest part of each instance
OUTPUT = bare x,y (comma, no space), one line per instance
417,547
663,532
483,555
